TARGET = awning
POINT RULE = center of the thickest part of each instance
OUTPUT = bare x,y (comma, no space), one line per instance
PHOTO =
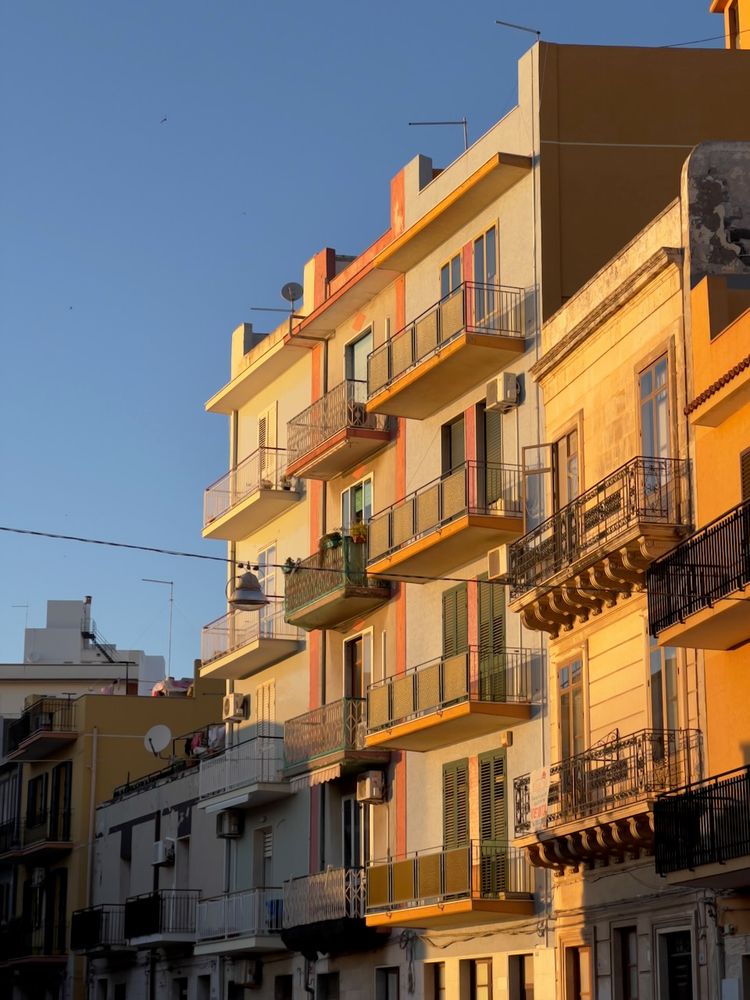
319,777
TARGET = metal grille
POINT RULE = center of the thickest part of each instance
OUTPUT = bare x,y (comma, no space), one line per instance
340,409
613,773
56,715
166,911
252,762
98,927
329,729
710,565
330,895
239,914
329,570
644,491
240,628
265,469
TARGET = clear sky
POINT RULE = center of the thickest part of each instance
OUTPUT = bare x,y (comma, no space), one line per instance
130,246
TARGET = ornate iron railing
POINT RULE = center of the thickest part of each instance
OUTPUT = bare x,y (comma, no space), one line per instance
472,307
471,488
240,914
710,565
612,774
704,824
165,911
477,870
330,570
55,715
474,675
264,469
257,760
332,728
343,408
98,927
240,628
330,895
643,491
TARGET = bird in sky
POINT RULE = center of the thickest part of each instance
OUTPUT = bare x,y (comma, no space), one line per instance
163,120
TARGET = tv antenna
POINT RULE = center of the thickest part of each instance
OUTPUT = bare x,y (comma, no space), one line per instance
170,584
292,291
157,739
459,121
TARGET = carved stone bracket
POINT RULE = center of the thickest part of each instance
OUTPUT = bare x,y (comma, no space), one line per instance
603,843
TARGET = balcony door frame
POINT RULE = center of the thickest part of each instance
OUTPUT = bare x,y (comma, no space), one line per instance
367,637
351,356
674,402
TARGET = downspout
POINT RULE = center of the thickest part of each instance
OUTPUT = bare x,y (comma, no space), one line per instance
92,816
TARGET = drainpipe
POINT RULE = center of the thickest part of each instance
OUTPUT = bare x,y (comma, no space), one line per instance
92,816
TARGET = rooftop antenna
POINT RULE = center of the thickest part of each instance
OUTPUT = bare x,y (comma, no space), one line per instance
292,291
520,27
157,738
170,584
459,121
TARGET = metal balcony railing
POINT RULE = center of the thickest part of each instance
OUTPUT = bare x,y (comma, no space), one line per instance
50,827
19,938
704,824
328,571
472,307
56,715
471,488
249,913
711,564
264,469
330,895
477,870
332,728
257,760
341,409
240,628
474,675
613,774
98,927
643,491
163,912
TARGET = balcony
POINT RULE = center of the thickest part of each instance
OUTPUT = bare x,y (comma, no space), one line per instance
241,643
598,547
249,774
699,593
449,700
332,587
46,726
335,433
41,839
250,495
702,833
21,943
464,339
325,913
449,522
161,918
598,805
478,883
240,921
98,929
330,737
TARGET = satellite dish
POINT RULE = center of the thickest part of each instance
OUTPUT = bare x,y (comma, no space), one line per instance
292,291
157,738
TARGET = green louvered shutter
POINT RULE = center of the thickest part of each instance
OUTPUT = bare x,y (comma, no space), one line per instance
493,823
491,601
455,620
456,804
493,453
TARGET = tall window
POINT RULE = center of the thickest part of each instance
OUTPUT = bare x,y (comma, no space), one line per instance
62,776
654,393
351,832
357,665
663,684
566,469
36,802
481,979
578,974
267,579
570,679
386,984
521,977
450,276
435,988
491,622
626,963
675,966
455,620
356,503
456,804
454,444
485,276
355,357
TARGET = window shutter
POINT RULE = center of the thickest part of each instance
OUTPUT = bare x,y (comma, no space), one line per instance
267,843
455,620
745,474
493,821
456,804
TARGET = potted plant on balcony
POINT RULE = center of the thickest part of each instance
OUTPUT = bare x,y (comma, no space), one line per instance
286,482
331,540
358,532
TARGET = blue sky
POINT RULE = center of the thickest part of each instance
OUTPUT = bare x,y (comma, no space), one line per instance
131,247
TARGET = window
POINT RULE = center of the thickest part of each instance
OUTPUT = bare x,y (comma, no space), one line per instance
355,357
577,974
654,396
456,804
357,665
263,856
450,276
270,463
455,620
386,984
521,977
203,991
265,713
485,276
62,775
675,966
493,822
570,681
491,627
36,802
435,988
566,469
481,979
454,444
351,832
267,578
490,452
538,493
327,986
626,963
356,503
283,987
663,685
745,475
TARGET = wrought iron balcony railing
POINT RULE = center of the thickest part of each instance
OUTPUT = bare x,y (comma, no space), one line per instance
20,939
56,715
472,307
644,491
612,774
474,675
341,409
249,913
711,564
471,488
332,728
163,912
335,894
264,469
704,824
257,760
477,870
328,571
98,927
241,628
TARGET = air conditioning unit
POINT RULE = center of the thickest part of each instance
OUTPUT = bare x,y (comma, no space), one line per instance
229,824
37,877
247,972
163,852
371,787
503,392
497,563
234,708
